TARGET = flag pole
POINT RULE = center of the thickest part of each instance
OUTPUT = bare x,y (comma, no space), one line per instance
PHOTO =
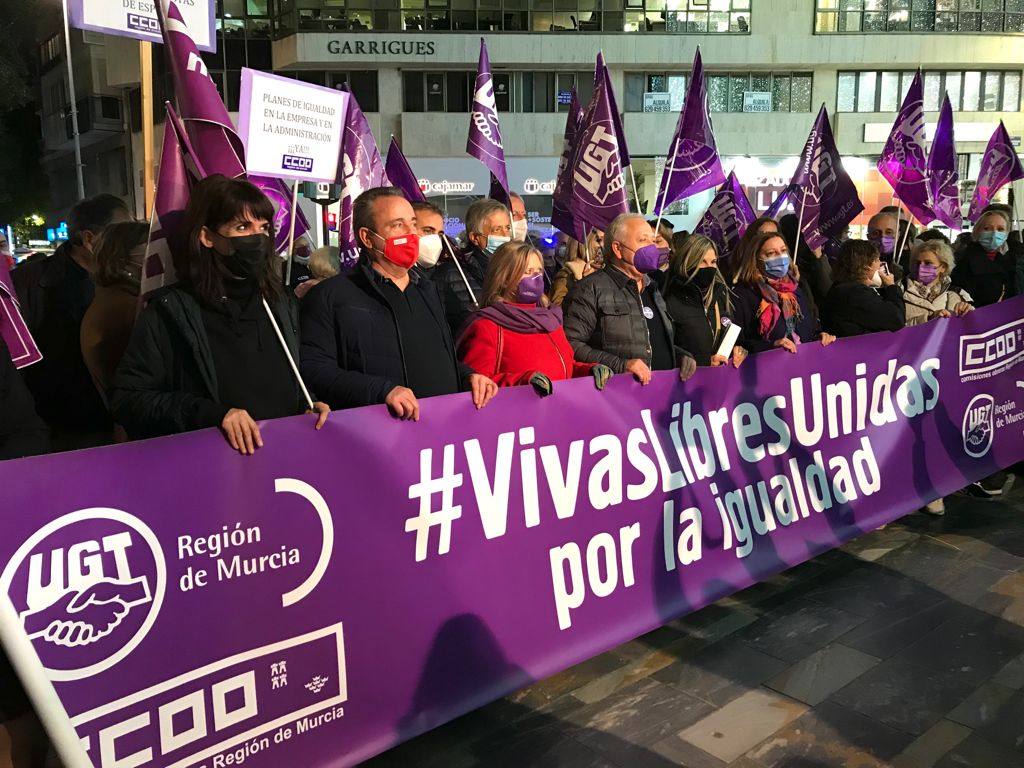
291,233
288,354
799,228
74,106
664,194
458,266
636,194
146,83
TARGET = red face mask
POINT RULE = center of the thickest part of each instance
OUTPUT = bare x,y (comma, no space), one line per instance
401,250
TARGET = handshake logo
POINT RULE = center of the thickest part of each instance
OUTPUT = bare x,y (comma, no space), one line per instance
87,588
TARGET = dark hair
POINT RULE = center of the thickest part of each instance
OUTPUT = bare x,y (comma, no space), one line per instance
362,208
114,249
854,257
215,201
93,214
751,233
746,262
932,234
423,205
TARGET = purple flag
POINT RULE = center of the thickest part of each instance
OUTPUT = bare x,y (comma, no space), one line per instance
728,216
942,173
560,216
359,169
601,72
173,186
999,167
598,189
13,329
484,142
217,146
693,164
902,162
827,195
779,203
401,175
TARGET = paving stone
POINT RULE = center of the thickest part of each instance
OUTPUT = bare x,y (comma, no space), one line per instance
886,635
976,752
833,736
721,672
903,696
872,591
1012,675
715,622
981,707
743,723
928,748
546,691
799,631
681,752
1007,727
822,673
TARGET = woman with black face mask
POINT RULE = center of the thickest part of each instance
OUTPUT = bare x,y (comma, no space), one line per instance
206,352
699,302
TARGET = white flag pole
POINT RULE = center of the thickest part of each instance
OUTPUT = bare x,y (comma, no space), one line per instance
799,228
288,354
636,194
458,266
666,184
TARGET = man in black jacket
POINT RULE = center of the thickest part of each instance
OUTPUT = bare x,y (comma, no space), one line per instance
617,316
379,335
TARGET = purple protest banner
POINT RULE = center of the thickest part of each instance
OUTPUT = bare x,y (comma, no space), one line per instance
139,20
345,590
13,329
779,203
999,166
728,216
827,196
484,140
561,218
400,173
902,162
942,171
693,164
359,169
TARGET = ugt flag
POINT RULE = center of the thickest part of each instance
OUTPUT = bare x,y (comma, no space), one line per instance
942,173
601,74
693,164
598,192
779,203
999,167
827,195
401,175
13,329
484,141
217,146
359,169
903,162
561,218
728,216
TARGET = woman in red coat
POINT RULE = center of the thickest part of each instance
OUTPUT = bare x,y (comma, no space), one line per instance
516,338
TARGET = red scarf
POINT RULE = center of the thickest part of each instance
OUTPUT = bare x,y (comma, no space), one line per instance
778,299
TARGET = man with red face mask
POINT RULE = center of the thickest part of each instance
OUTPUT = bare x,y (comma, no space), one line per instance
378,335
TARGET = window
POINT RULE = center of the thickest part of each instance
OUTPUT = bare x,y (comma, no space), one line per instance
363,85
973,91
50,50
513,91
790,91
928,16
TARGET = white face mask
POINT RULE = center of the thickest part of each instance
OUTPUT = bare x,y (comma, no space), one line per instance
430,250
519,229
876,280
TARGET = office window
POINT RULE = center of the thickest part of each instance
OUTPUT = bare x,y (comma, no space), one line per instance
513,91
918,16
971,91
789,92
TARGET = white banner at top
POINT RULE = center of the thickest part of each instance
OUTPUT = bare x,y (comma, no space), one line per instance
137,18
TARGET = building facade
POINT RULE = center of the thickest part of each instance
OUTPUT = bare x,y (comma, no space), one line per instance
770,65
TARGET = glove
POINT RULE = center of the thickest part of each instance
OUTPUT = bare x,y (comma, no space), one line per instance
601,374
687,367
541,384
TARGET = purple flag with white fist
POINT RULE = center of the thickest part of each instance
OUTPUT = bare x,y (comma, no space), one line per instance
484,142
828,197
598,191
208,125
359,169
999,167
728,216
561,218
942,173
903,162
601,73
401,175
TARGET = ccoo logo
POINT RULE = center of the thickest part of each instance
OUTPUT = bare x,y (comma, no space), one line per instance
87,588
979,426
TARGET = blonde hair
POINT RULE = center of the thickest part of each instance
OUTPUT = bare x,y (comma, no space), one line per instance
941,250
976,232
686,261
505,270
324,262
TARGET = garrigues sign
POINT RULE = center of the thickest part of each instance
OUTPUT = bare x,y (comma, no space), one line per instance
363,47
137,18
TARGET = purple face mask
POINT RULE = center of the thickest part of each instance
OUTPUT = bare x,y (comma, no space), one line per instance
531,288
647,258
886,244
926,273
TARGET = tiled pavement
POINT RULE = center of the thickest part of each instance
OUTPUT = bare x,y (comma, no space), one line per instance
904,648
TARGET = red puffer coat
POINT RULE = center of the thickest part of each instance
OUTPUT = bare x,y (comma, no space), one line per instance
510,358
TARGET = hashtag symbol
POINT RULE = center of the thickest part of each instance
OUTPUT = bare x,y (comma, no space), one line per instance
425,491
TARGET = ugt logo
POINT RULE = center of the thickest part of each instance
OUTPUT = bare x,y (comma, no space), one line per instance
87,588
978,427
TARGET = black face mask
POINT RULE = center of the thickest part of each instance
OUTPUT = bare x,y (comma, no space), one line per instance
248,253
704,278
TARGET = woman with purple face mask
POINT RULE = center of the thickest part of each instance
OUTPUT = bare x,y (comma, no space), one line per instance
517,337
927,290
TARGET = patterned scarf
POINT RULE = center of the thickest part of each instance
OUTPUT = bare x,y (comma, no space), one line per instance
778,299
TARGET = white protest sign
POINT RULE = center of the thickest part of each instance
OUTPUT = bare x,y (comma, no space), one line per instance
137,18
291,129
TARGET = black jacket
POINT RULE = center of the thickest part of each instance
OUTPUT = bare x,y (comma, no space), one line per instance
605,324
22,432
745,303
987,280
351,348
853,309
693,325
454,295
815,279
166,382
54,294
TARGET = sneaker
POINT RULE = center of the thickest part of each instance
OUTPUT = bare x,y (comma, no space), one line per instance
937,508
